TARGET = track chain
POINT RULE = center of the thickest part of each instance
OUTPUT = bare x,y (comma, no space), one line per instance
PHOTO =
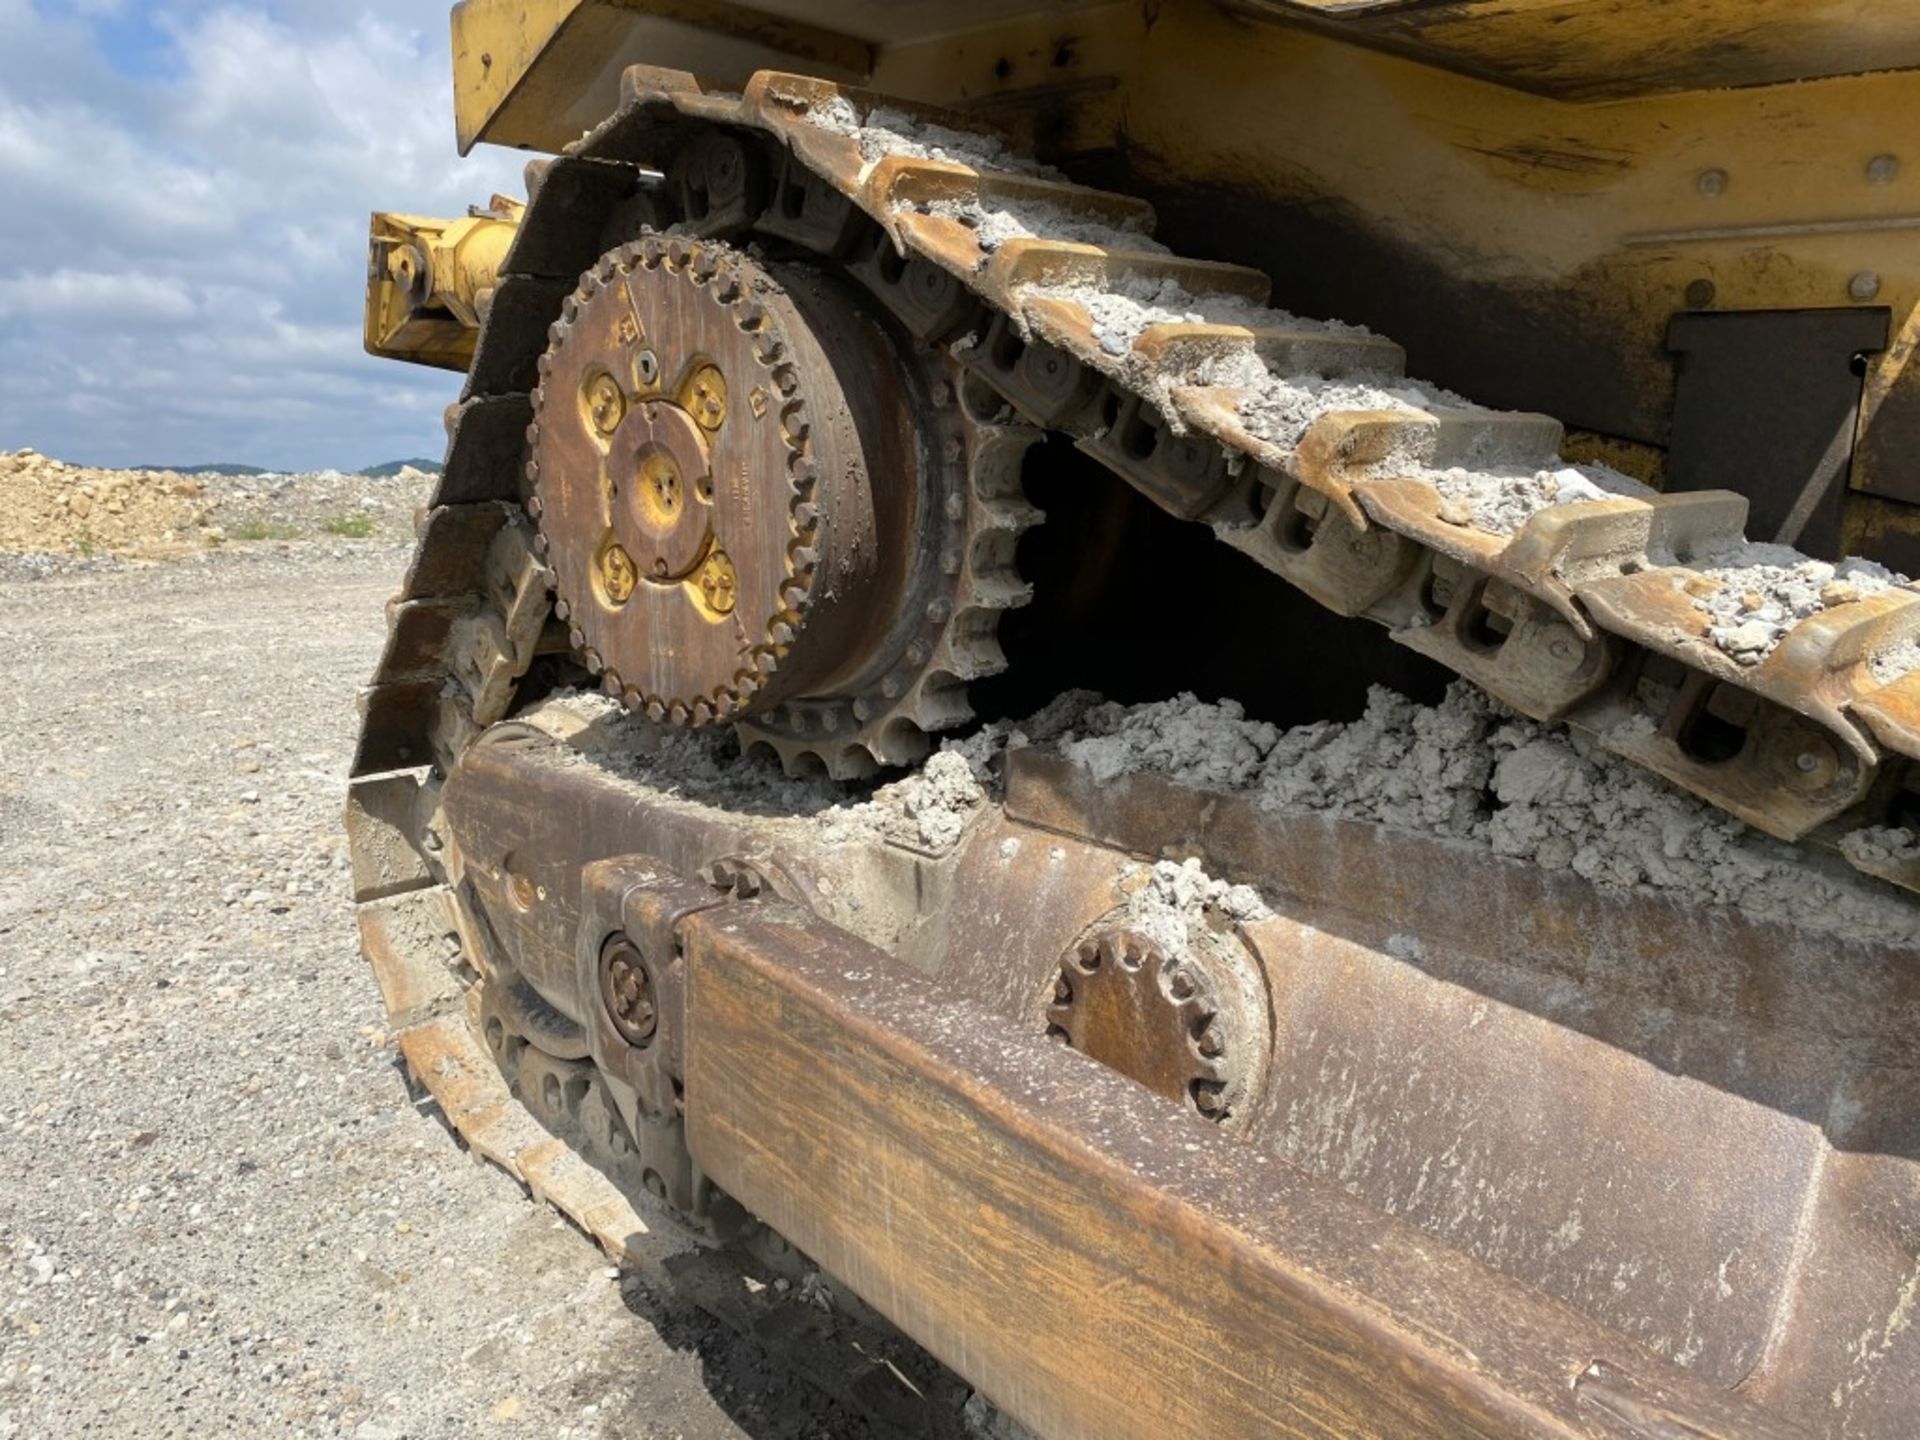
1584,615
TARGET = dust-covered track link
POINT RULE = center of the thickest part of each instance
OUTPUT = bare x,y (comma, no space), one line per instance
1778,688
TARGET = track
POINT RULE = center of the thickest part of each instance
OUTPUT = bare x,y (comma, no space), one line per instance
1298,444
1303,447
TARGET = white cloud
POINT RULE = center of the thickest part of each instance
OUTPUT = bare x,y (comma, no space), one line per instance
94,294
182,247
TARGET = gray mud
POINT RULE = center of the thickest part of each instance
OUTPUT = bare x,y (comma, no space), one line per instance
1754,593
1469,770
1501,501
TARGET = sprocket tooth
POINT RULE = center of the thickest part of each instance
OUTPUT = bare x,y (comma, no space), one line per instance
851,762
939,702
900,741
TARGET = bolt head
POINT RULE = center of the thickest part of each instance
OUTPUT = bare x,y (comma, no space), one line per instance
1712,182
1816,765
1882,169
618,574
1864,287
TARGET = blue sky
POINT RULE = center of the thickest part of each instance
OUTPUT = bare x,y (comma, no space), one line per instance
186,187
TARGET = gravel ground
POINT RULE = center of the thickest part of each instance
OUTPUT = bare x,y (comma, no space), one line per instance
221,1211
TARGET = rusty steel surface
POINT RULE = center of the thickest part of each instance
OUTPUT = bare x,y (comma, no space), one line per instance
705,481
761,501
1103,1268
1171,1025
1579,1082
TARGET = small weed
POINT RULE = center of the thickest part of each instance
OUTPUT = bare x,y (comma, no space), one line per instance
262,530
86,544
350,527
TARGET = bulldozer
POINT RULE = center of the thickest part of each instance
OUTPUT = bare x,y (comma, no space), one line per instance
737,845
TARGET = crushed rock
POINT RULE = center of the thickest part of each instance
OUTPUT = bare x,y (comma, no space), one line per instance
1175,904
995,225
885,131
1893,664
1219,749
1754,593
1881,845
1472,771
1500,501
929,808
984,747
1122,312
1283,408
704,767
1466,770
216,1224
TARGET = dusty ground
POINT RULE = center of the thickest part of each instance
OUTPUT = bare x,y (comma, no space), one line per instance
220,1211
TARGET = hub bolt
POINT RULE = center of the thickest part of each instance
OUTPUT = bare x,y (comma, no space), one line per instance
719,586
606,403
707,397
618,575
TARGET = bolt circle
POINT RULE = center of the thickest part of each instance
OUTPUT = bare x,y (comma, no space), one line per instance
626,989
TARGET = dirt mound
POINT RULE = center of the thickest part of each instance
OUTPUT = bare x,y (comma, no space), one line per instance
50,507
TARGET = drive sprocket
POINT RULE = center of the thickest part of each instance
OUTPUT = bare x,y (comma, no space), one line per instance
759,502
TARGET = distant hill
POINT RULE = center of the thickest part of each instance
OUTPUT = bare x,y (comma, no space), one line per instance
234,470
394,467
372,472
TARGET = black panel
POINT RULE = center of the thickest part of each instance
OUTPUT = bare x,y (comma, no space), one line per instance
1767,404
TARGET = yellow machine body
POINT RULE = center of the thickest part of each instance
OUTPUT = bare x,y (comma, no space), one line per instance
1524,194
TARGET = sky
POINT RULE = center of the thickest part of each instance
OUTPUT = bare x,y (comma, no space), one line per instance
184,194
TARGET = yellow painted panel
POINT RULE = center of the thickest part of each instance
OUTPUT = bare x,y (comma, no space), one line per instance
1592,49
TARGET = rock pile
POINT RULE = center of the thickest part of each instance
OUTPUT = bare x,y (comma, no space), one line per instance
64,513
46,504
